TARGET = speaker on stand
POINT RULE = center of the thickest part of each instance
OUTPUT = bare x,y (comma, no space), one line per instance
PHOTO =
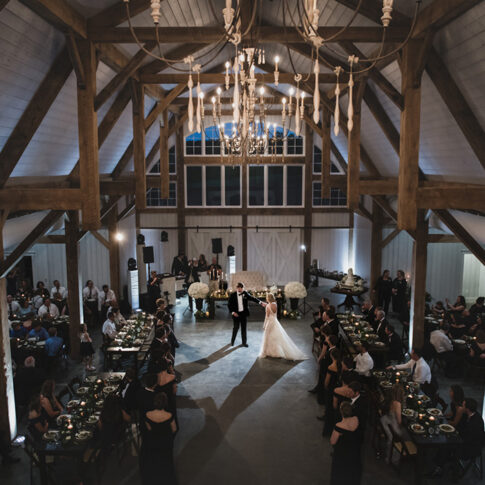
217,247
148,256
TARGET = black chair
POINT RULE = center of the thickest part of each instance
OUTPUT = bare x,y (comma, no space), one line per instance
476,464
29,448
405,450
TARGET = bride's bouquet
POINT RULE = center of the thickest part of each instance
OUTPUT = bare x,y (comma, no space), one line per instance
294,289
198,291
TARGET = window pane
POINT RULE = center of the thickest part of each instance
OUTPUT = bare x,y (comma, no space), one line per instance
317,160
193,144
194,186
172,161
233,185
154,200
317,194
213,185
294,185
275,185
212,141
256,185
294,144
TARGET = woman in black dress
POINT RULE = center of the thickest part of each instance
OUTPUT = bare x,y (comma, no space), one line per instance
399,288
383,288
346,461
167,384
457,417
332,381
156,453
38,424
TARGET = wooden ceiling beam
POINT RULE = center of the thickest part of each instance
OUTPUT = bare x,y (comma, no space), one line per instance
33,115
451,198
117,14
266,34
164,103
40,199
3,4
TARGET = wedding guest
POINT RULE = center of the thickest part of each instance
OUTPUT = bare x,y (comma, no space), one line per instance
331,320
457,416
28,381
119,318
369,311
13,307
178,265
145,396
323,362
344,392
405,316
477,310
38,331
202,263
167,384
477,350
438,310
459,305
383,289
25,311
346,460
107,298
25,290
399,289
381,324
156,453
37,422
214,271
360,407
129,390
51,407
420,371
90,300
395,345
41,290
53,344
60,290
87,350
392,420
153,288
17,330
332,379
443,346
109,327
473,433
363,361
48,310
111,424
457,327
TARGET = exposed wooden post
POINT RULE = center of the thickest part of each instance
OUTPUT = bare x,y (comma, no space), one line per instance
73,287
8,418
412,67
326,148
376,248
418,283
179,153
114,252
164,169
307,231
138,103
244,219
353,167
88,138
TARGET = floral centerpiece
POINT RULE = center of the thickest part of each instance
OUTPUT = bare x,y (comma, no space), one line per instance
294,291
199,291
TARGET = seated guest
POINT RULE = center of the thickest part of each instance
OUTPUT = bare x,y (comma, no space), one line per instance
458,306
363,361
202,263
392,420
360,407
28,381
60,290
441,343
109,327
25,310
24,291
158,341
38,331
457,326
156,453
457,416
111,424
53,344
369,311
477,310
51,407
438,310
38,424
119,318
129,390
161,306
395,345
48,309
13,307
477,350
420,371
18,330
41,290
380,325
167,384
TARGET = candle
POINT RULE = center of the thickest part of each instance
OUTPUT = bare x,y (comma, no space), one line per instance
83,403
398,373
226,79
276,73
302,106
261,92
283,111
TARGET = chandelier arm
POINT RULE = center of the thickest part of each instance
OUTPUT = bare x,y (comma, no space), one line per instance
285,6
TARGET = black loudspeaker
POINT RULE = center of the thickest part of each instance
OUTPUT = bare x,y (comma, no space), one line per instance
217,246
140,239
164,236
131,264
230,251
148,255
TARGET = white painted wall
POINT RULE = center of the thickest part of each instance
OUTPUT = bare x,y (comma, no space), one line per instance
362,235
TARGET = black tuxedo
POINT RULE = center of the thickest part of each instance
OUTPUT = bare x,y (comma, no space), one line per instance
370,316
473,436
241,319
360,409
381,329
194,272
395,348
334,324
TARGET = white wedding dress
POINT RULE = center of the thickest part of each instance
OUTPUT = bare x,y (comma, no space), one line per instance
276,342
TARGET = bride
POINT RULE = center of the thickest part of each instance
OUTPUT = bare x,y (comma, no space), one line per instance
276,342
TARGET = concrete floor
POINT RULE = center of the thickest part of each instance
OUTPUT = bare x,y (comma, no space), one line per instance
244,420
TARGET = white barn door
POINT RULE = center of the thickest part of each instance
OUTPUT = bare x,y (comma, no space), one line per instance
276,254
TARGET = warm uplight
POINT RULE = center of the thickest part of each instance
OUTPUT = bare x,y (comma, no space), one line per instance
119,236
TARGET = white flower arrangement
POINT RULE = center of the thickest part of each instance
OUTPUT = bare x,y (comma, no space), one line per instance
198,290
294,289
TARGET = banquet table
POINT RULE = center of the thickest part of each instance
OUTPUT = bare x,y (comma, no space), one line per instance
67,442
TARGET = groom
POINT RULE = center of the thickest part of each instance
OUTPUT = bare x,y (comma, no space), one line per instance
238,306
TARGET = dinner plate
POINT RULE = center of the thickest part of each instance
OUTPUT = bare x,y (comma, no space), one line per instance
417,428
51,435
379,344
92,419
114,379
424,398
41,343
90,378
109,389
379,373
409,413
82,390
357,342
434,412
83,435
386,384
62,417
447,428
73,404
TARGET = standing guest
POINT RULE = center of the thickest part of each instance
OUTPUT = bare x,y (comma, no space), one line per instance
192,276
28,381
156,453
144,399
331,320
170,335
53,344
202,263
106,299
405,316
38,331
38,424
346,460
332,379
48,310
41,290
90,300
392,420
109,327
360,407
178,265
399,288
363,361
153,289
51,407
111,424
17,330
324,360
383,289
13,307
343,393
381,325
87,350
395,345
477,351
458,307
57,288
420,371
214,271
167,384
129,390
369,311
457,416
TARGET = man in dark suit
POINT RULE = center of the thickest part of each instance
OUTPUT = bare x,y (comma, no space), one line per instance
395,345
238,306
144,398
369,311
472,433
381,324
360,407
331,319
129,390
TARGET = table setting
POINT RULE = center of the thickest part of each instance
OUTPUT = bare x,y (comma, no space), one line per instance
358,330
